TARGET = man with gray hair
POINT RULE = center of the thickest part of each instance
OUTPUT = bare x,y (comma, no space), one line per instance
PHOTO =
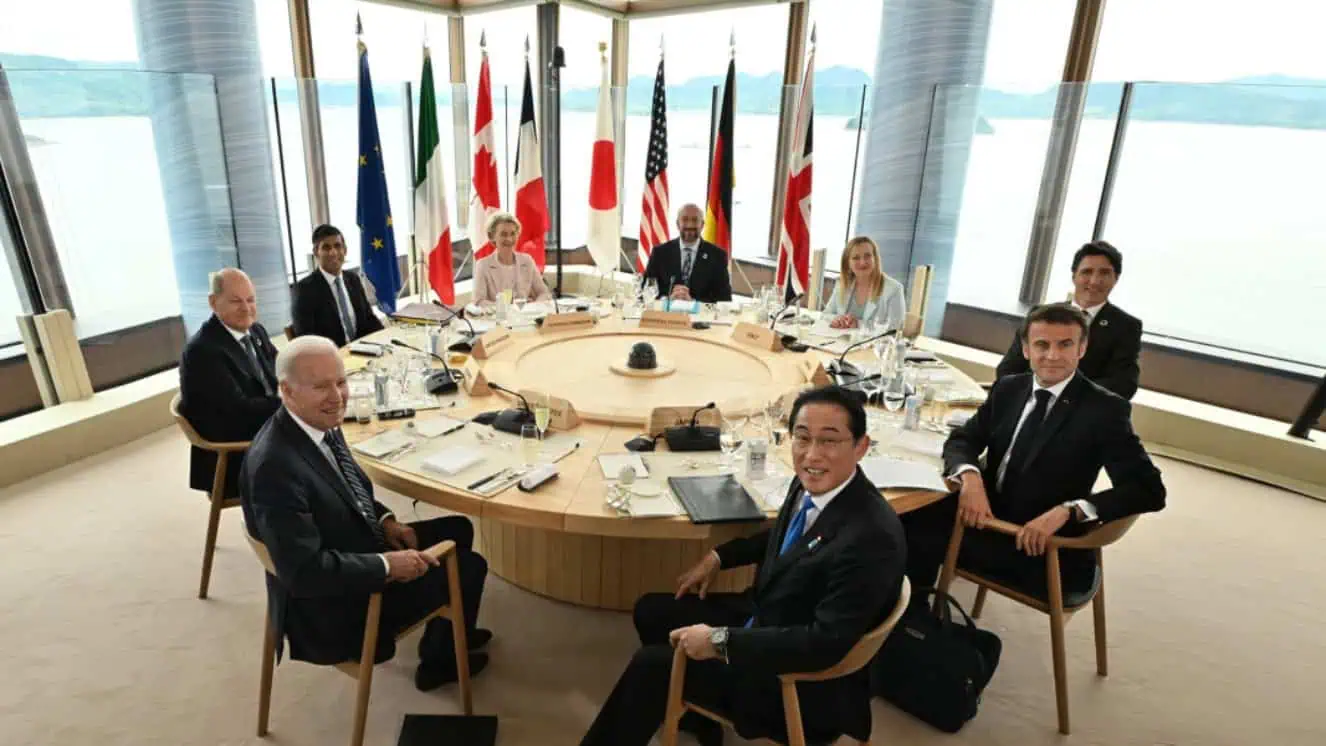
688,267
333,544
227,378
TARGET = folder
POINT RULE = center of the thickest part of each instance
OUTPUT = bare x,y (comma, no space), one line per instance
717,499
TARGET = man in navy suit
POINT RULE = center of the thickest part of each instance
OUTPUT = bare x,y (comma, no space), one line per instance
329,302
688,267
828,572
227,376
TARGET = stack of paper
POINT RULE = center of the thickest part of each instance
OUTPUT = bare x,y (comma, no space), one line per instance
380,445
892,473
452,461
435,426
612,464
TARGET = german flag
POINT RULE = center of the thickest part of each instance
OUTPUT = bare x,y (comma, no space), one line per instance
718,205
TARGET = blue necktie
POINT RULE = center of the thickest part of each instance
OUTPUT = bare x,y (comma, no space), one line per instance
795,530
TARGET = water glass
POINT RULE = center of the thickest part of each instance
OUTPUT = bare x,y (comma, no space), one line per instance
895,393
362,408
529,444
730,437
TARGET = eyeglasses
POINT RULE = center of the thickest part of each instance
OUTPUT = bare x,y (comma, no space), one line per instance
804,441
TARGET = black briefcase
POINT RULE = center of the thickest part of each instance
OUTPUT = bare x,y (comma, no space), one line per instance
933,667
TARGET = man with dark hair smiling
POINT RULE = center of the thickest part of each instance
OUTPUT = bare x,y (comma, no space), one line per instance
329,302
1030,455
829,571
1111,359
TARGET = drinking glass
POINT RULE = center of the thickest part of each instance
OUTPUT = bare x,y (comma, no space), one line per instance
777,421
363,409
529,444
542,413
730,437
895,393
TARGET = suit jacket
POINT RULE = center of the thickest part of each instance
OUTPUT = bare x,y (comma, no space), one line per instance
529,281
812,604
1087,429
709,282
1113,346
298,504
315,309
222,396
888,310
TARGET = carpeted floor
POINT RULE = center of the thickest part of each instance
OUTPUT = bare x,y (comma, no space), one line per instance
1214,611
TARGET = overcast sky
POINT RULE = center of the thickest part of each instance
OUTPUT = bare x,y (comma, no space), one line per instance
1180,40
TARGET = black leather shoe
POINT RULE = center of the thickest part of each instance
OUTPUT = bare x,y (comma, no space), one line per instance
478,638
430,676
706,731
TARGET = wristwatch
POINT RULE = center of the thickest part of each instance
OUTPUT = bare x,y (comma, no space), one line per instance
718,638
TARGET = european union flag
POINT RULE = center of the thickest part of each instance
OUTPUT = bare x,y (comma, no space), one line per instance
377,243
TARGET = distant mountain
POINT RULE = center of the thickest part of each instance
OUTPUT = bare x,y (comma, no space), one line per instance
53,87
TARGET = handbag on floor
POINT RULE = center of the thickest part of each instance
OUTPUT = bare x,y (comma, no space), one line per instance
934,667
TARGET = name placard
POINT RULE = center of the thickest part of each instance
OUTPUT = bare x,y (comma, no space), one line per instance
476,383
560,322
562,413
815,372
652,319
486,345
755,335
662,418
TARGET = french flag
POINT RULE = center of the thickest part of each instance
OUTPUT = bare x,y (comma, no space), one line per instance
531,202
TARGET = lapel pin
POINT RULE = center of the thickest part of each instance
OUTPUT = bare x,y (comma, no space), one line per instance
1104,322
815,542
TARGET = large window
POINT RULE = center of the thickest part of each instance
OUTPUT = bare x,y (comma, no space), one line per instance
581,33
11,298
697,57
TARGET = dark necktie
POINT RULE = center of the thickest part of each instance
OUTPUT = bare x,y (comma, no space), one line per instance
688,256
251,347
343,306
346,463
1017,454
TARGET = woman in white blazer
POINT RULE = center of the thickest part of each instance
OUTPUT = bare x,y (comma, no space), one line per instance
864,291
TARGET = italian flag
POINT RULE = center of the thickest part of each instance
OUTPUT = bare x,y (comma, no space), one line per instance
432,228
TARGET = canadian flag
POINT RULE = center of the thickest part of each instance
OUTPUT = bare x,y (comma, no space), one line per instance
794,240
531,202
604,240
485,200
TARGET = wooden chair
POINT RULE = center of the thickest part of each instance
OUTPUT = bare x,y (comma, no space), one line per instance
860,654
289,331
362,670
217,497
1059,607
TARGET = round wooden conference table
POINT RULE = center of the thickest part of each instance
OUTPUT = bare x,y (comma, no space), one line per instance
562,540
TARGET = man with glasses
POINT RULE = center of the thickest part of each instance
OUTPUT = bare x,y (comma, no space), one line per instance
331,303
227,376
829,571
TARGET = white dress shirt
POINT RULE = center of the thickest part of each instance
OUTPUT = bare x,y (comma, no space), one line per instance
319,439
1055,392
821,502
349,310
1090,312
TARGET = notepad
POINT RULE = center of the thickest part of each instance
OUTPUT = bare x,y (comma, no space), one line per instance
892,473
380,445
612,464
452,461
923,442
435,426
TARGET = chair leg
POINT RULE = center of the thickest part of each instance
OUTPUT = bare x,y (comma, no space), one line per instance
675,709
979,604
1057,638
950,562
213,520
1098,612
365,676
457,615
265,685
796,733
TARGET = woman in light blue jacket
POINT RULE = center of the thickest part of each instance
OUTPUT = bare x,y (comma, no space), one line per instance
864,291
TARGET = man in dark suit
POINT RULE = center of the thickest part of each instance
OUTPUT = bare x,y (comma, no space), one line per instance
331,303
688,267
227,377
1111,360
829,571
332,544
1045,436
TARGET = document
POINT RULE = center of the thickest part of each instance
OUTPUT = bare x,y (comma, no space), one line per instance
892,473
452,461
380,445
612,464
435,426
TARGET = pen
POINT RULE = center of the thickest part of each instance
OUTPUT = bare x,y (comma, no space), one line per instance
486,480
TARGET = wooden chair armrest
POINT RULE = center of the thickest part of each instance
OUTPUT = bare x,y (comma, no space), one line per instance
231,447
1003,527
1100,536
441,549
986,385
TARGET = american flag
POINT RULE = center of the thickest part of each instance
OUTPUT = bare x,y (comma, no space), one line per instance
654,208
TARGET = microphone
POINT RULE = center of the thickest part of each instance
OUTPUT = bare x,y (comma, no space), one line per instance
455,314
437,383
774,322
693,437
696,415
841,367
507,420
